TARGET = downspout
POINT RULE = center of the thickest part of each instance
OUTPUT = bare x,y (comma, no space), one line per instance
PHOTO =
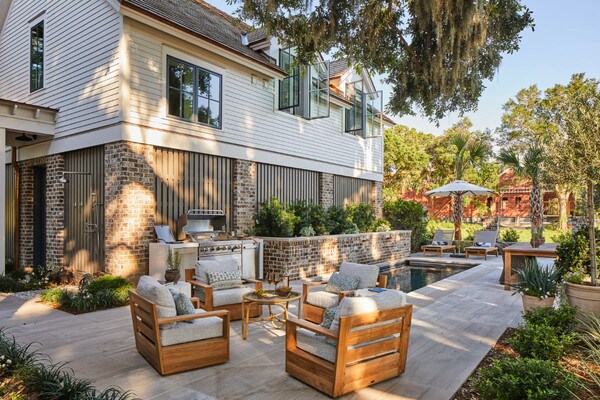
17,248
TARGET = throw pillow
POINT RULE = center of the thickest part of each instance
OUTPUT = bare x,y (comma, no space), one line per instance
328,316
442,243
183,304
434,242
339,283
479,244
224,279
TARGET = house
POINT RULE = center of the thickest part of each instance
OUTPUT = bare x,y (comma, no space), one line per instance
122,115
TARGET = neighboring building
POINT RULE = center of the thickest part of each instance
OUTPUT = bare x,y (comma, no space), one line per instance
148,108
511,204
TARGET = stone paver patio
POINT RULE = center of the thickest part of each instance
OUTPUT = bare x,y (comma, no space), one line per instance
455,322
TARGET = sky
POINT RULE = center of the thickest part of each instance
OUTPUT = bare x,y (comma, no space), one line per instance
566,40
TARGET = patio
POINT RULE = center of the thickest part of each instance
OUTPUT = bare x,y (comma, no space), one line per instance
455,322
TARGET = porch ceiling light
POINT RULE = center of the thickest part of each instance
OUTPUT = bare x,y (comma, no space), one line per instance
24,137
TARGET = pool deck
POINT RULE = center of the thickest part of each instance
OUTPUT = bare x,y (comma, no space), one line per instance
455,322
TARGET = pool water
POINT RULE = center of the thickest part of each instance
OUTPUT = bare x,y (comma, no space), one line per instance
409,278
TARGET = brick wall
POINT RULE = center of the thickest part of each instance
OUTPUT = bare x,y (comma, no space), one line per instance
244,195
326,190
377,198
55,210
129,208
26,205
305,257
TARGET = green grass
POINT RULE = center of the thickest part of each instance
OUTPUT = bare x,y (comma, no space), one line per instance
468,229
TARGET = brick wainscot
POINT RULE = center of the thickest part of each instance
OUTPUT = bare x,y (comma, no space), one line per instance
303,257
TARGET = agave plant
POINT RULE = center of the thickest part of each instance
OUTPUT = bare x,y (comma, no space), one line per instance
538,281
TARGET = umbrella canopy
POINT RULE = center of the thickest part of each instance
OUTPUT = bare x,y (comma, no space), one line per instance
459,188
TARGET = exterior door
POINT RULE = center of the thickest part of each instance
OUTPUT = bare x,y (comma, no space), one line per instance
39,216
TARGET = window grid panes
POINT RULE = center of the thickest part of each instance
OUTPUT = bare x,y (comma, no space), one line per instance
354,116
374,115
289,87
319,90
194,93
36,81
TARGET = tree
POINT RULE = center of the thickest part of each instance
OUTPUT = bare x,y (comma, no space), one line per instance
405,159
575,145
436,54
529,166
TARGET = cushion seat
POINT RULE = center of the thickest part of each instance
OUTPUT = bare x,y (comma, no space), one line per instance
316,345
199,329
229,296
320,298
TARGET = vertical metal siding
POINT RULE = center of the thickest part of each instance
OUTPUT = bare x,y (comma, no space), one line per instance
186,180
348,190
286,184
82,251
10,211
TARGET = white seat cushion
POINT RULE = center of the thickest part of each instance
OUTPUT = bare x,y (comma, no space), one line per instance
315,345
224,264
229,296
319,297
199,329
368,274
151,290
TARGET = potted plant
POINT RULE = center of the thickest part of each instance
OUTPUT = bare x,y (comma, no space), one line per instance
537,284
173,272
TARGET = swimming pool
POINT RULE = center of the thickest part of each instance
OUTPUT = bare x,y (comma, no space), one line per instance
412,277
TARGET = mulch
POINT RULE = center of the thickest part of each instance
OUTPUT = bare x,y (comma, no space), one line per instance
501,349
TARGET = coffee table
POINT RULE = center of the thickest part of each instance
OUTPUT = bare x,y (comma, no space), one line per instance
277,320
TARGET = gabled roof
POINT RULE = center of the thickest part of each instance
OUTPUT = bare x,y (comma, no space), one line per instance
205,21
338,67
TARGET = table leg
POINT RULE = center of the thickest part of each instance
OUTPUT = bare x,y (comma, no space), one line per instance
245,319
507,270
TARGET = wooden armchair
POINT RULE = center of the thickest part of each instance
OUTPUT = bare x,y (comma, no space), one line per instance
314,302
152,342
227,299
345,362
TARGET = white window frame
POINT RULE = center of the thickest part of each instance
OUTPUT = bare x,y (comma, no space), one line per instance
33,22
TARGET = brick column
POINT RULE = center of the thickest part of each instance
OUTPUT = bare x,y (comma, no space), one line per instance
377,198
129,206
326,190
244,195
26,206
55,210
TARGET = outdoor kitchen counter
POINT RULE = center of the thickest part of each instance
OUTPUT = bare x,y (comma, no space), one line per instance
547,250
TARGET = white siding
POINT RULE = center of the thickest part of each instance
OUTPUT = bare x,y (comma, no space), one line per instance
81,69
249,118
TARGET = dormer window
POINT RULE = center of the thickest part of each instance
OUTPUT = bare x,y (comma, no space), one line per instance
365,117
304,92
36,59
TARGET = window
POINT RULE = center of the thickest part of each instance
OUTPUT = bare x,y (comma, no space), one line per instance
194,93
36,63
365,116
304,92
354,116
518,201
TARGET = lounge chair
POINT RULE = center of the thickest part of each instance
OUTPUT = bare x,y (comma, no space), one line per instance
442,241
484,244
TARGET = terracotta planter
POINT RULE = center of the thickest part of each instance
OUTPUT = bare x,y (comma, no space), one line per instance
172,275
530,302
586,297
537,241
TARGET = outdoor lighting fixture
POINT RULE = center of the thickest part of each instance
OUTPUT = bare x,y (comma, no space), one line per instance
63,179
26,138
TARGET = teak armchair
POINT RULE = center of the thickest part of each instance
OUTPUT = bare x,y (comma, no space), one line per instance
354,363
229,296
181,356
314,302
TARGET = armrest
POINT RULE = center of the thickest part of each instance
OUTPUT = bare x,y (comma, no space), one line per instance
344,293
382,281
200,284
195,302
208,292
306,286
190,317
301,323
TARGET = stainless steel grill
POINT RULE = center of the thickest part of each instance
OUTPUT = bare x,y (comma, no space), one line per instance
200,225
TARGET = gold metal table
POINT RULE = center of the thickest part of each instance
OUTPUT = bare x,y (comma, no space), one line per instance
272,299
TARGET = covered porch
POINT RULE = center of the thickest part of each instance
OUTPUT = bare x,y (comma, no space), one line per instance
21,125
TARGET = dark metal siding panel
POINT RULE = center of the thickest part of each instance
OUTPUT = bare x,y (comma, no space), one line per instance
347,190
286,184
10,211
186,180
84,251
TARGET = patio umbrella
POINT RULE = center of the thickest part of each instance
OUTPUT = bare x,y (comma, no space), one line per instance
458,189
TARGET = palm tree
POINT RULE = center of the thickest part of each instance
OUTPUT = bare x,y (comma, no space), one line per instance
470,151
529,166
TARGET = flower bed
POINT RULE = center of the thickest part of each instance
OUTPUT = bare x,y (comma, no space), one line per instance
303,257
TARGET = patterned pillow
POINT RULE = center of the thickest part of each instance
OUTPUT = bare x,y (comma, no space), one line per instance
328,316
183,304
224,279
339,283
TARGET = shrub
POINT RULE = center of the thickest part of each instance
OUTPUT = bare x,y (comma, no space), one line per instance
8,284
573,255
275,219
541,341
563,319
309,215
307,231
408,215
338,220
522,379
381,225
509,235
535,280
363,215
117,285
57,295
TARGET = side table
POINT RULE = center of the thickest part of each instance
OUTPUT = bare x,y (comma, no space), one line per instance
272,299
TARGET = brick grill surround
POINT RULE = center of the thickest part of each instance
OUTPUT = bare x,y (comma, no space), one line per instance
318,255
